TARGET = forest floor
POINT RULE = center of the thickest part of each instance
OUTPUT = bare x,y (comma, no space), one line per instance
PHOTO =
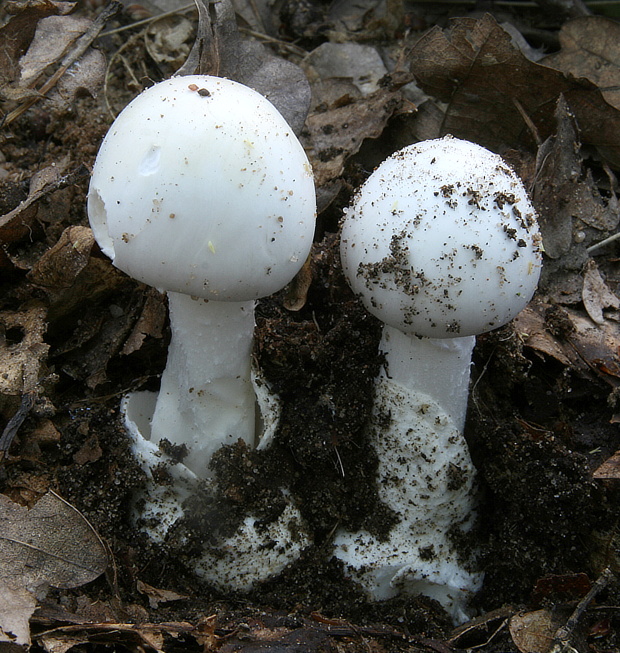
538,86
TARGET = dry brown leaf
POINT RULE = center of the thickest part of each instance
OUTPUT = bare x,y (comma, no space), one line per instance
48,544
157,596
221,50
583,346
495,95
591,48
150,323
17,35
596,294
572,213
16,608
58,268
169,39
336,134
132,636
22,349
533,632
609,469
53,36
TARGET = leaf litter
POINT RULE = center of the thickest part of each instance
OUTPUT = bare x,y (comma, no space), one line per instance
76,334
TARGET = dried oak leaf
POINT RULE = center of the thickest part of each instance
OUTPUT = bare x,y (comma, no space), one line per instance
157,596
497,97
17,35
596,294
609,469
48,544
583,345
221,50
590,48
16,607
570,207
22,349
332,136
533,631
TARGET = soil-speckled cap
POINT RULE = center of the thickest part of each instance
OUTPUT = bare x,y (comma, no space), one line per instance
442,241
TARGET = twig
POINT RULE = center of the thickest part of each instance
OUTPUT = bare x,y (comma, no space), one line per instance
10,430
150,19
561,641
602,243
79,48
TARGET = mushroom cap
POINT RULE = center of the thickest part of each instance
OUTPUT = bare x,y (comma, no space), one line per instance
200,187
442,241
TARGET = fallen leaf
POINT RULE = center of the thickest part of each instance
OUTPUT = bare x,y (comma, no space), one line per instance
150,323
17,35
572,212
336,134
23,350
58,268
89,452
590,48
609,469
53,36
495,96
48,544
16,608
596,294
533,632
221,50
168,40
564,587
578,343
157,596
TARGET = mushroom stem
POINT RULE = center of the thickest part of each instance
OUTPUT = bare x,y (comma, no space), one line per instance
206,397
437,367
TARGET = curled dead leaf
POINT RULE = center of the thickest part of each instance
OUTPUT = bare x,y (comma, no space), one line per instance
48,544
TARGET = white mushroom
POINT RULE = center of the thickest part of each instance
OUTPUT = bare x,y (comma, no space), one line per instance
201,189
441,244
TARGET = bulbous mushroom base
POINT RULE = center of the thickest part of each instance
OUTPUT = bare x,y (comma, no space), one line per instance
256,551
425,474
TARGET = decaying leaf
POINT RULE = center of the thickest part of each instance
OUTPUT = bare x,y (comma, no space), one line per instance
69,275
221,50
150,323
17,35
16,608
572,339
143,636
22,349
495,96
15,224
168,40
532,632
596,294
157,596
609,469
48,544
58,268
336,134
572,213
53,36
591,49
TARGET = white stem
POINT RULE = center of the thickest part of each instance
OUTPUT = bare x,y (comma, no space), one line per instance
435,367
206,397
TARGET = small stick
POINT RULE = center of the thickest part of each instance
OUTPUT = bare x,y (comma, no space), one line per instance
561,641
79,48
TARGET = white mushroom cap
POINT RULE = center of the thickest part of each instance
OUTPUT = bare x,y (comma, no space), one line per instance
442,241
200,187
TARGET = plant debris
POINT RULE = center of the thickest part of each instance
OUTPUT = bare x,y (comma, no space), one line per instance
76,335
